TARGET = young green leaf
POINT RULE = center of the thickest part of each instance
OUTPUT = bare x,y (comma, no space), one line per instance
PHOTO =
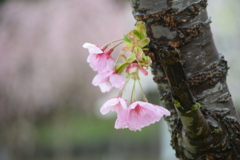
140,27
121,67
142,43
126,39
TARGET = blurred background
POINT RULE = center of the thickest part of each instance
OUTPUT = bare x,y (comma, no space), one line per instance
49,109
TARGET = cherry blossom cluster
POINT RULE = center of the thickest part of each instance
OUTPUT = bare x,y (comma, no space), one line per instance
112,74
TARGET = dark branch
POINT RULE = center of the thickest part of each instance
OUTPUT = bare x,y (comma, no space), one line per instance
191,78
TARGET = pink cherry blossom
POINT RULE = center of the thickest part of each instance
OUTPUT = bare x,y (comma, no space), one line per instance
142,114
99,59
114,104
108,79
118,105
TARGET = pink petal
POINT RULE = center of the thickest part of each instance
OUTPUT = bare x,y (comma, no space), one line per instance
139,118
100,63
91,57
111,104
131,68
118,105
117,80
101,77
163,111
105,87
144,71
93,60
158,111
92,48
121,122
110,64
104,63
142,114
123,103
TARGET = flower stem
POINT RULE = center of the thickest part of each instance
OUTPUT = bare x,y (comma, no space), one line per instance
133,94
117,45
113,42
115,64
121,91
144,96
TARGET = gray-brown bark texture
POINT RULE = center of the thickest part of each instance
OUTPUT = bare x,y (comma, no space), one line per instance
191,78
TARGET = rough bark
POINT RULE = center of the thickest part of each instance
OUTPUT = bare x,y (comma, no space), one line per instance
191,78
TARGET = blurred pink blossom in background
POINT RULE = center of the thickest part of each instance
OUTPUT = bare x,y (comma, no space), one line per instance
42,60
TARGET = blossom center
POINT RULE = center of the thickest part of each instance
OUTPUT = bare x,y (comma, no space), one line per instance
137,109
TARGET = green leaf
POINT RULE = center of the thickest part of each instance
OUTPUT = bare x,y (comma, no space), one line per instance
126,39
131,58
136,34
146,60
121,67
139,53
140,27
143,42
123,57
128,48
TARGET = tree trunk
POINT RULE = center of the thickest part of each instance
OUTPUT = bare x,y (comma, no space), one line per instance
191,78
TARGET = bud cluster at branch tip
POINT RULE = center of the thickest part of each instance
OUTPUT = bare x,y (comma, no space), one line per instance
110,75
